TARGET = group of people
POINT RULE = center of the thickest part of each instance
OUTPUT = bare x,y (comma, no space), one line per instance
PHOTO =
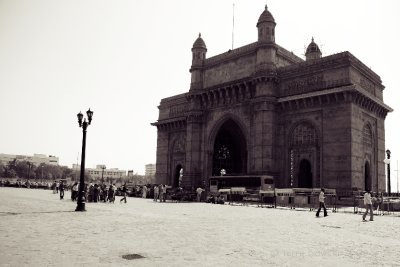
160,193
95,193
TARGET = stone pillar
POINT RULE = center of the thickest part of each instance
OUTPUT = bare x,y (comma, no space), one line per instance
263,134
162,157
192,172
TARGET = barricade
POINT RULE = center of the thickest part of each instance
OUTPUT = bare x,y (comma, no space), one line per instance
267,198
284,197
236,194
225,193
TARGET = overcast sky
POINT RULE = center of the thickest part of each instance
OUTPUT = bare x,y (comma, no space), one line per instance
120,58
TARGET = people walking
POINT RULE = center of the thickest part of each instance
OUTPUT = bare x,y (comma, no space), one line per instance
368,206
156,192
124,189
321,199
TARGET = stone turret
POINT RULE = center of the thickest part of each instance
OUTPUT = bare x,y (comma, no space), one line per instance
313,51
199,51
266,27
266,51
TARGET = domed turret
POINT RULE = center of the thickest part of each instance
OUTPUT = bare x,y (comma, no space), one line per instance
266,27
199,51
266,16
199,43
313,51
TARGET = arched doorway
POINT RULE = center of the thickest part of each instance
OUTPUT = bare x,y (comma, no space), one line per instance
230,151
305,174
304,156
177,176
367,176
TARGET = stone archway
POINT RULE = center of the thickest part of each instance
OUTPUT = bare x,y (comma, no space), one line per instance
304,156
229,150
177,175
305,178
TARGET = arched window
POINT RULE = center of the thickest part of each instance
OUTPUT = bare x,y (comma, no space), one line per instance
304,134
367,136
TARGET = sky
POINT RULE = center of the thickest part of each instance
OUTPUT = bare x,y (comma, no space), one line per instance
120,58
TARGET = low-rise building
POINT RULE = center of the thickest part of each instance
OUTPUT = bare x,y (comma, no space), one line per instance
36,159
102,172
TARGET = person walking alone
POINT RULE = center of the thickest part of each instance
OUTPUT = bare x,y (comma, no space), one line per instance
124,190
61,188
321,199
156,191
199,190
368,206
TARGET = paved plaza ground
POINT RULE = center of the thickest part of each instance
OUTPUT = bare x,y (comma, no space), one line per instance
39,229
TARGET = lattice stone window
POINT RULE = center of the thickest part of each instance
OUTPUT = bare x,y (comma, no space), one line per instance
304,134
367,136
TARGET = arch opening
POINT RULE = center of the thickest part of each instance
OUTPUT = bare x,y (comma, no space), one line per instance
230,151
177,176
305,178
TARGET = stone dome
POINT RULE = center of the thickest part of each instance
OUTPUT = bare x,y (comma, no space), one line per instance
312,47
199,43
266,16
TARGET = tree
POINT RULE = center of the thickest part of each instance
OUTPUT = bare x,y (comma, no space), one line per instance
1,169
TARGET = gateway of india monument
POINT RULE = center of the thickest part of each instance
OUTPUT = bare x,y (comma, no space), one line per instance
261,110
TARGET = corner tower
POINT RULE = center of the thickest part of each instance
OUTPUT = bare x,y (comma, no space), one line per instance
266,27
313,52
199,51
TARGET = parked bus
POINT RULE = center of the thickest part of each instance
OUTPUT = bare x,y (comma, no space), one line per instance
250,182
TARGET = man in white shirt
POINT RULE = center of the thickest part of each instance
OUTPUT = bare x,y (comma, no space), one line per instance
321,199
199,190
368,206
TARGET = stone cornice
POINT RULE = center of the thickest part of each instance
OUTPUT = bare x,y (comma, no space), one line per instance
170,124
349,94
325,63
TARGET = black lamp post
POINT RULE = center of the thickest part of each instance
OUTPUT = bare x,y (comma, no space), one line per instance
388,170
29,168
102,172
81,192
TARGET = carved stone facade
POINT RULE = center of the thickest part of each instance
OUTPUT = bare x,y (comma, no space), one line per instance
260,109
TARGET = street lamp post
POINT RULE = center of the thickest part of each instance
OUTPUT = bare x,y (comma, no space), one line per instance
84,125
102,172
388,170
29,168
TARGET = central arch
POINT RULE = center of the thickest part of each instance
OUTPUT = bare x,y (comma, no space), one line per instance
229,150
305,174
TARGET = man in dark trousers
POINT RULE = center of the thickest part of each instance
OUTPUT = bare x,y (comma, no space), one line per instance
368,206
61,188
321,199
124,190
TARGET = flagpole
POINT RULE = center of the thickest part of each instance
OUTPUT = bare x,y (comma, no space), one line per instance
233,23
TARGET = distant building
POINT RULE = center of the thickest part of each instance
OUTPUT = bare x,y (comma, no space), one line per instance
150,169
36,159
99,172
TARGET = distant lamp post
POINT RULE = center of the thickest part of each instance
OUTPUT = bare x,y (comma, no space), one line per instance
103,167
223,172
29,168
388,170
84,124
